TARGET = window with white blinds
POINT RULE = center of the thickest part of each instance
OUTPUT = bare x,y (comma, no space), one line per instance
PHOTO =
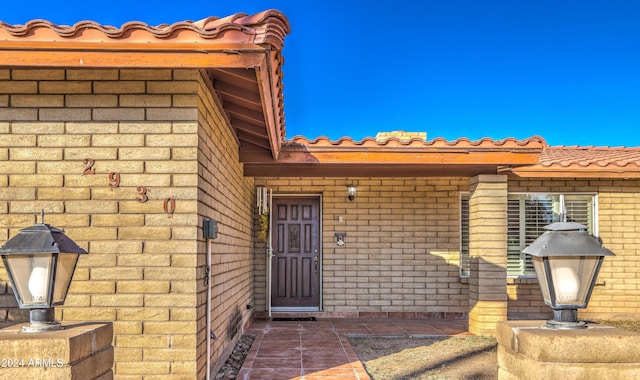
527,215
464,235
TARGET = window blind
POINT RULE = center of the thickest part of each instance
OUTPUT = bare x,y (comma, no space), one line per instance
527,215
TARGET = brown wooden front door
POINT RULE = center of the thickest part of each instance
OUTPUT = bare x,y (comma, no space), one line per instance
295,281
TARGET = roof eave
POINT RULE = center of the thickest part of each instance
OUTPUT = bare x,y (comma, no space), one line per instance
178,56
368,162
130,55
537,171
239,41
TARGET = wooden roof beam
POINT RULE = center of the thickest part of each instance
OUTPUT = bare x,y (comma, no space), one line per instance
97,58
245,114
229,84
369,156
249,128
374,170
261,142
246,99
241,78
268,93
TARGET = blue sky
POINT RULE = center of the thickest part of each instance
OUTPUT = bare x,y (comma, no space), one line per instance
565,70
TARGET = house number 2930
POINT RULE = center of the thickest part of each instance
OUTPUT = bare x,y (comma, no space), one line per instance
169,204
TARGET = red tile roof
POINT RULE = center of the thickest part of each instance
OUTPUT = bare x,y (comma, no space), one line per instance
369,157
529,157
584,162
268,27
535,142
588,156
241,54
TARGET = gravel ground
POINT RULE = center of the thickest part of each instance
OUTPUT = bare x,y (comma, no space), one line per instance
231,367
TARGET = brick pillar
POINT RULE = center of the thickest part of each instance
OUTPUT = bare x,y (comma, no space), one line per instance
528,351
81,351
488,253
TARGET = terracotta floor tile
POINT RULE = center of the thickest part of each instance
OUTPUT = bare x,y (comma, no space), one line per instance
331,349
319,356
331,373
323,363
320,350
362,331
362,374
349,324
280,353
323,346
276,334
321,323
244,374
275,344
319,335
272,374
351,354
275,363
285,325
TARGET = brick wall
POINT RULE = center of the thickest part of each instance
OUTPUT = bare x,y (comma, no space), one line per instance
144,271
616,294
401,252
228,197
402,246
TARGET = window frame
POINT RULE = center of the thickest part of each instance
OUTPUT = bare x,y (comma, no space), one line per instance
464,226
464,272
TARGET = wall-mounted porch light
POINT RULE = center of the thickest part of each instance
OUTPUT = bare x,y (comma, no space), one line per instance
567,261
351,190
40,261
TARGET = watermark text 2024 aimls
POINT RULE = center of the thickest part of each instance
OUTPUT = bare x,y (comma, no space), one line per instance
31,362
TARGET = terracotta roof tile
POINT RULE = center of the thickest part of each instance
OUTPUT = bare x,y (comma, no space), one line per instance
237,48
461,143
394,156
589,156
268,27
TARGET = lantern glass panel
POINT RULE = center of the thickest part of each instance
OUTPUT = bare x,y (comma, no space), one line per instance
31,277
66,264
572,277
538,266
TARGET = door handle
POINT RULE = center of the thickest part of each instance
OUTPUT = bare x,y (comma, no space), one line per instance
315,263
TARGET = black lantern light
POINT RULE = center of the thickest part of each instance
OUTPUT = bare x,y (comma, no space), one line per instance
567,261
40,261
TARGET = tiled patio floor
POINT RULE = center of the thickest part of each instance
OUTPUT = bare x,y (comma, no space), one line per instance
314,350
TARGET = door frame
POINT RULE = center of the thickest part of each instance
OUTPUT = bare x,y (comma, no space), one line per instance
269,273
